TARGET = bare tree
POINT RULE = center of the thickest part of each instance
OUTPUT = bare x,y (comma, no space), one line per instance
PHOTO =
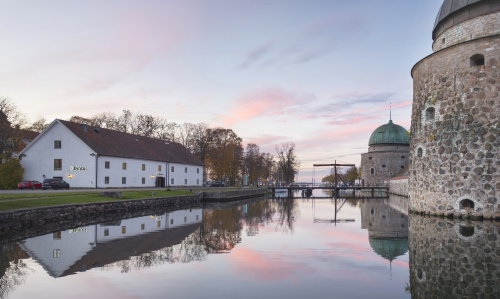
12,124
39,125
288,162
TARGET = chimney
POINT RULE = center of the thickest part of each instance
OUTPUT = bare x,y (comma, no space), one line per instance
96,129
83,127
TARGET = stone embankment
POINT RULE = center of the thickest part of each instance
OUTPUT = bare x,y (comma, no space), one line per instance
25,223
57,217
225,196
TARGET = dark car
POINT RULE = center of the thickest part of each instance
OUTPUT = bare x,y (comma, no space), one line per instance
217,184
29,185
54,184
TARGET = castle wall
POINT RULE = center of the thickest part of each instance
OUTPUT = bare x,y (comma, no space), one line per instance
453,259
395,158
482,26
459,144
399,187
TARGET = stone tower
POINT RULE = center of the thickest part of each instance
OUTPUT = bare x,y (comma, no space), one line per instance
455,127
387,154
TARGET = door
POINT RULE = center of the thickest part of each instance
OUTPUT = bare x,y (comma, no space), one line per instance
160,181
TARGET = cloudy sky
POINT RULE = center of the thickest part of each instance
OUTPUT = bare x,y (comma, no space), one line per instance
320,73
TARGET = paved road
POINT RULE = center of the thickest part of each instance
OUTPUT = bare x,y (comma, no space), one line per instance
26,191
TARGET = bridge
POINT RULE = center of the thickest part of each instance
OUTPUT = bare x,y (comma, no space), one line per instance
336,190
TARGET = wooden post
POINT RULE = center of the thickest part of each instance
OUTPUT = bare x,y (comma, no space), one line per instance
373,192
274,192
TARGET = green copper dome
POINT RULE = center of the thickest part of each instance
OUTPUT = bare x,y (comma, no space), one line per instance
390,134
389,249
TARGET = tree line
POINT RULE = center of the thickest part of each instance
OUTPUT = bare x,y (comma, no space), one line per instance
221,149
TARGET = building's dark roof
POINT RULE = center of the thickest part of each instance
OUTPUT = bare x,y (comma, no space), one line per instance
389,133
29,135
453,12
118,144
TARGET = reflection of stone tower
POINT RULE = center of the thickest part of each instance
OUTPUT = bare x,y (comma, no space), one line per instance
387,154
387,228
455,125
453,259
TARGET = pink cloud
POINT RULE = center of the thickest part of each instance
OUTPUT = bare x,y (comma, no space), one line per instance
270,101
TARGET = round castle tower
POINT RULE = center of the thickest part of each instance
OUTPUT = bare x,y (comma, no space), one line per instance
387,154
455,127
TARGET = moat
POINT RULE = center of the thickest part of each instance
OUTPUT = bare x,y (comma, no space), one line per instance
260,248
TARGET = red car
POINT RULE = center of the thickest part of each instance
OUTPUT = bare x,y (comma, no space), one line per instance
30,185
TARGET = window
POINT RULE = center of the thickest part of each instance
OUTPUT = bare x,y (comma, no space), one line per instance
185,219
197,170
171,221
196,217
430,114
106,180
477,60
172,181
57,164
124,165
143,166
402,166
172,170
106,232
143,181
186,170
372,171
143,226
106,164
369,158
419,152
402,157
158,224
197,181
185,181
466,204
159,167
124,180
383,166
372,211
56,253
57,144
57,235
124,229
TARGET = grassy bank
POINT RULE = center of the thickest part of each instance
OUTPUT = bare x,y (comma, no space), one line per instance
21,201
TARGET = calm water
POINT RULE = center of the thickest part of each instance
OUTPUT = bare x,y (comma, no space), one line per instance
265,248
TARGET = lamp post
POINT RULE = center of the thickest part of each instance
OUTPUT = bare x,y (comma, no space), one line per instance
168,165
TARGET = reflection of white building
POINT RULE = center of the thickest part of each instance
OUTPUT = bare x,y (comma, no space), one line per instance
63,253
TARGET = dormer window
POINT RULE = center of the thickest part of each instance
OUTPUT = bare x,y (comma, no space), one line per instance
477,60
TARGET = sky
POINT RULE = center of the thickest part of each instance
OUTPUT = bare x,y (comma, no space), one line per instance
319,73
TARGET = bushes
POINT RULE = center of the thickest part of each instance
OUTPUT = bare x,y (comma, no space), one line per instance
11,173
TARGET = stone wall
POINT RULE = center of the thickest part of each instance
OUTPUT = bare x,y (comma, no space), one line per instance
460,143
399,187
84,214
482,26
217,196
454,259
395,158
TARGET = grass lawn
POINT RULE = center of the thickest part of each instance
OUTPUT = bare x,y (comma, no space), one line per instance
80,197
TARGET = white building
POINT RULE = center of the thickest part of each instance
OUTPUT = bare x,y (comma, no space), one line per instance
88,157
63,253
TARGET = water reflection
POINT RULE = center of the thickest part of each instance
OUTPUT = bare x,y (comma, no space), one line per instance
454,259
276,246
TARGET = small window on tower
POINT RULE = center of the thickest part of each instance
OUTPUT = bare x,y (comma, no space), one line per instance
419,152
477,60
383,166
369,158
372,171
430,114
402,167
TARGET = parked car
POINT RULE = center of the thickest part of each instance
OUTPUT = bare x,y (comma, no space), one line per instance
29,185
54,184
217,184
